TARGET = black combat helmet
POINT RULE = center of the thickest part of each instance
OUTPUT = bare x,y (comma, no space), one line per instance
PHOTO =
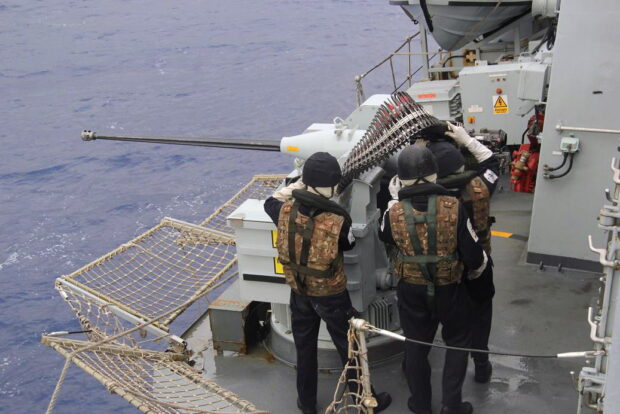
449,158
321,170
416,162
435,132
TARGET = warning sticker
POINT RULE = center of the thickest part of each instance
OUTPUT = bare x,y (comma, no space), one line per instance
500,104
274,238
278,269
427,95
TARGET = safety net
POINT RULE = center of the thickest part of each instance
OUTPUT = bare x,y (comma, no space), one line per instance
126,300
260,187
154,382
170,265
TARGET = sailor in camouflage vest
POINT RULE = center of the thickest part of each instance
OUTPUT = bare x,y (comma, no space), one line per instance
313,232
435,242
474,188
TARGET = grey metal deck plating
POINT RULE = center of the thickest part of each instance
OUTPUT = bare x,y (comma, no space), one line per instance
536,312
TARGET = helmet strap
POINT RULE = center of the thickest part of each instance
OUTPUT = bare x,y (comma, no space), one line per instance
316,191
429,179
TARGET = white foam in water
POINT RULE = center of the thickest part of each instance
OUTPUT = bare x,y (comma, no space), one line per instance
12,259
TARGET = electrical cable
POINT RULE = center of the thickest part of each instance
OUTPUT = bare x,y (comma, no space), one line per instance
443,65
523,135
548,169
570,166
551,37
548,39
502,26
544,39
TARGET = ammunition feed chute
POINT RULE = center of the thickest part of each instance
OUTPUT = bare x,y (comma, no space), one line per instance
398,120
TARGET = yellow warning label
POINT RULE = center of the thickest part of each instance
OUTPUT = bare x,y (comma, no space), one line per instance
274,238
277,266
500,104
501,234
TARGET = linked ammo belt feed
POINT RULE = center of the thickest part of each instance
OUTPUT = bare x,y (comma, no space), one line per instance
395,123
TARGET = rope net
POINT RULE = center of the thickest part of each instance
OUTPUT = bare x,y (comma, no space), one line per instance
154,382
172,264
353,393
98,320
127,299
259,187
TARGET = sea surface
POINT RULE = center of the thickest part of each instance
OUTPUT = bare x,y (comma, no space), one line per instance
226,69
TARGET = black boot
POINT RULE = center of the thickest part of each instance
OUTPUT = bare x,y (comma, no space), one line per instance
384,399
305,410
416,410
483,372
464,408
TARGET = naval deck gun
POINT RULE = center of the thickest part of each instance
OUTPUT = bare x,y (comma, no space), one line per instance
362,153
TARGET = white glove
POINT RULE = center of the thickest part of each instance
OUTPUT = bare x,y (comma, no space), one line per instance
286,193
458,134
394,187
461,137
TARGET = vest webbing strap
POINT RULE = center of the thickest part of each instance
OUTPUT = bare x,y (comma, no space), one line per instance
428,259
307,271
427,263
292,252
301,270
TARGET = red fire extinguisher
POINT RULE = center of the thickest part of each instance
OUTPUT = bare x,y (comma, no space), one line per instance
525,160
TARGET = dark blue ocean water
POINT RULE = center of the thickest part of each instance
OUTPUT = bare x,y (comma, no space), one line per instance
230,69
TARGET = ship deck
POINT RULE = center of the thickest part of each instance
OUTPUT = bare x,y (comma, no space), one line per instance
535,312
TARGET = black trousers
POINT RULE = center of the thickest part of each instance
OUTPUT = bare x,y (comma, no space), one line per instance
306,315
481,291
452,307
481,329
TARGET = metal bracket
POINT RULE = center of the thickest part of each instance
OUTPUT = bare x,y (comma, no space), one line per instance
590,385
610,212
602,255
339,125
609,198
616,171
593,327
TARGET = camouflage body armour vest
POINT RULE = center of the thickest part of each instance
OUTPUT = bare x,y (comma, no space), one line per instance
477,200
316,267
445,268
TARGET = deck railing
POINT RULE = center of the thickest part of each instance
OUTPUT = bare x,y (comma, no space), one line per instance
427,59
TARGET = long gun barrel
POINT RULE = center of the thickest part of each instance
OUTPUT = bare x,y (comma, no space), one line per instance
260,145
